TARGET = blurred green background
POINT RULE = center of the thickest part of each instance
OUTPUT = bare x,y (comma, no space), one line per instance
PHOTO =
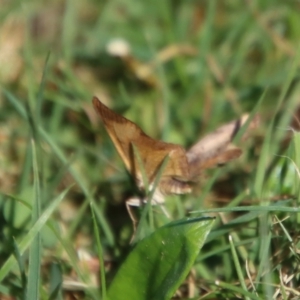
178,69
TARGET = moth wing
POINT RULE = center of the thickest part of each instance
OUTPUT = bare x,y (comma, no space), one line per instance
120,130
124,133
216,148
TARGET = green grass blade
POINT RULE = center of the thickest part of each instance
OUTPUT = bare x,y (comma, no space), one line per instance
21,266
238,266
263,163
15,102
55,282
254,112
265,237
100,253
235,289
141,166
35,247
268,208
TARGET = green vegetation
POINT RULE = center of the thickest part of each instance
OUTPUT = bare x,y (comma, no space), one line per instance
190,67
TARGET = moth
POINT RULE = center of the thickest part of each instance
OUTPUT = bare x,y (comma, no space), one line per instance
183,167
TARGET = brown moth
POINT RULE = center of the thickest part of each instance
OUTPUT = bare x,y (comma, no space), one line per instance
183,167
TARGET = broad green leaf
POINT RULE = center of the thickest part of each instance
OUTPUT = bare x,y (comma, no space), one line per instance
159,263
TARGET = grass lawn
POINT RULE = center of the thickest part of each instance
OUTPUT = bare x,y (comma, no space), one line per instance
178,69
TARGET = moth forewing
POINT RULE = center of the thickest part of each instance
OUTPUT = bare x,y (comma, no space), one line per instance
216,148
112,121
219,159
216,141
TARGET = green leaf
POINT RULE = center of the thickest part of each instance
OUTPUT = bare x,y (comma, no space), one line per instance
159,263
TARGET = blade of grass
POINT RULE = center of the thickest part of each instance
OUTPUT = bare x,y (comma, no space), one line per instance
68,32
253,113
21,266
55,282
26,168
141,166
262,209
221,249
296,144
288,236
40,95
264,267
263,163
100,254
35,247
238,290
238,267
15,102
